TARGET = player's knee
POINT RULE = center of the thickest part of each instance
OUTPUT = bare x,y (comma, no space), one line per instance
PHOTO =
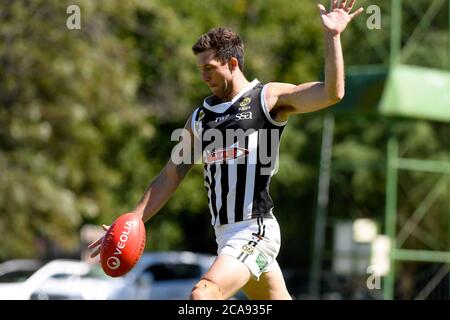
206,290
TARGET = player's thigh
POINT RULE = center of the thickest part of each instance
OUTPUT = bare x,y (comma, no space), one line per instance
229,274
271,286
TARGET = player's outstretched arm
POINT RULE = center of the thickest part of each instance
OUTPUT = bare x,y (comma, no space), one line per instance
284,99
161,188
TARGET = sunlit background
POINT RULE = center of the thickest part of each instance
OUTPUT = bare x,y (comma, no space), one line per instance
86,114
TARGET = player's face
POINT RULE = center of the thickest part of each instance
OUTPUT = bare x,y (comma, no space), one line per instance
215,73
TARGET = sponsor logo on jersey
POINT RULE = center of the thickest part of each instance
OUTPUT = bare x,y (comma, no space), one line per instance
244,108
220,119
245,101
261,262
248,249
244,115
223,155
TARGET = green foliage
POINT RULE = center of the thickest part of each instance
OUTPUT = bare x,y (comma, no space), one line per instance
64,95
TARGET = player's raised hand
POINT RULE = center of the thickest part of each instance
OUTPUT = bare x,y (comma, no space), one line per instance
336,20
97,244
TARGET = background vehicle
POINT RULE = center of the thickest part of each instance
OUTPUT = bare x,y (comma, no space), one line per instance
157,275
21,288
172,274
18,270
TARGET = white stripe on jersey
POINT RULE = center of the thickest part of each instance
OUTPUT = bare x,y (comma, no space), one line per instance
251,171
231,198
218,190
207,173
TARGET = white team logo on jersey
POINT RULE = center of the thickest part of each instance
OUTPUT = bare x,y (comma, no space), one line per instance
244,115
223,155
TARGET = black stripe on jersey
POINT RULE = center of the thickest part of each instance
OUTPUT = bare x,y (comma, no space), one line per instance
207,187
206,176
212,170
224,193
241,178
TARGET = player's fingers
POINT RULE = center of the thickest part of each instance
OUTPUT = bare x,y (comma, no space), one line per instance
334,5
322,9
350,5
356,13
96,252
95,243
342,5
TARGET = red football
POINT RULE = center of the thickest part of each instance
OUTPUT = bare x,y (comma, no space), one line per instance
123,245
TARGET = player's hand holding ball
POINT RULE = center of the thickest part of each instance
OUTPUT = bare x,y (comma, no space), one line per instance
122,245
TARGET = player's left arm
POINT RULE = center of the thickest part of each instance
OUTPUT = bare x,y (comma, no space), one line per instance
283,99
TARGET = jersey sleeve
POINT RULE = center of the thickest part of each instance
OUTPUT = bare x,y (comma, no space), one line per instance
196,123
266,110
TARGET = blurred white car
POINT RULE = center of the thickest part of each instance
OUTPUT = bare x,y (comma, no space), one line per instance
56,270
87,286
18,270
171,274
157,276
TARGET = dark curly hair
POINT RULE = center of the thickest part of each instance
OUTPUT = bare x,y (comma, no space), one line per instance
225,42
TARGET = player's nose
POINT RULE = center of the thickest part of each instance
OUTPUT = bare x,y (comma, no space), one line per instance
206,77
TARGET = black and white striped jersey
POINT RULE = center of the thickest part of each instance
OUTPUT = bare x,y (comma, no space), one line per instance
240,143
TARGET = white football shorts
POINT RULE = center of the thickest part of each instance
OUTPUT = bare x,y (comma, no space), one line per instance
255,242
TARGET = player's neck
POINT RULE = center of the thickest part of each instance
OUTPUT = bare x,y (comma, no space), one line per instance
238,83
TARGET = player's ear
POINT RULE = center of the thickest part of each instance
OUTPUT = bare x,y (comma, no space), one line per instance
233,64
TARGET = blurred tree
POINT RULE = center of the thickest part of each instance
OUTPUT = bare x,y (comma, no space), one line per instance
64,96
